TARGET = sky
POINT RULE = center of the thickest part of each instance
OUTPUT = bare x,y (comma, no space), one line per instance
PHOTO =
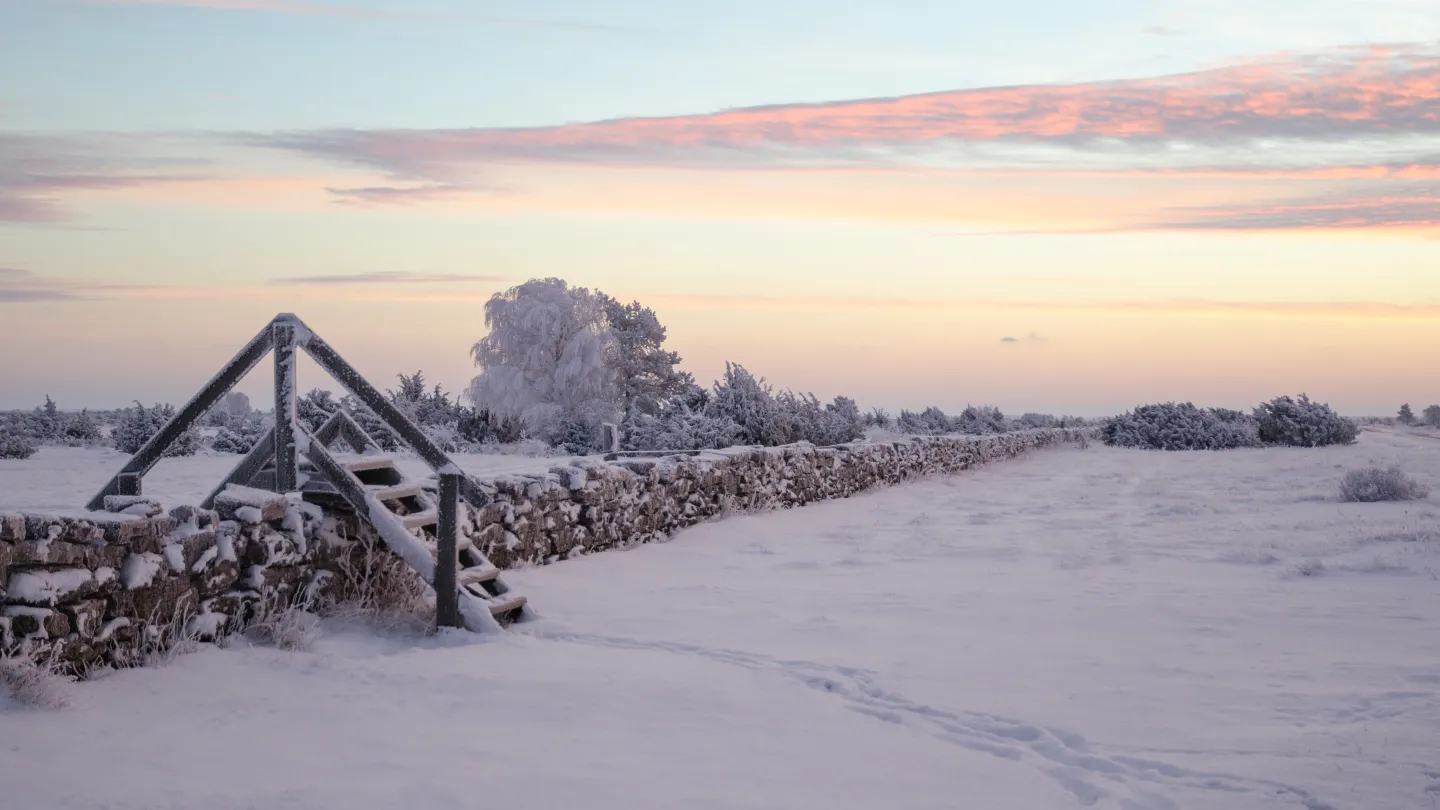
1046,205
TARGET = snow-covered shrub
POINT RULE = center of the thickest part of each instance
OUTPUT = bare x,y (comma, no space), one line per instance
982,420
576,437
38,685
1181,426
140,423
842,423
1036,420
13,446
1373,484
1432,415
374,426
747,401
677,427
544,360
1303,423
879,417
81,430
315,408
930,422
425,407
480,426
229,441
801,418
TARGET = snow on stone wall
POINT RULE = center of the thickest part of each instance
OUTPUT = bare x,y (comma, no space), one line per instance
110,588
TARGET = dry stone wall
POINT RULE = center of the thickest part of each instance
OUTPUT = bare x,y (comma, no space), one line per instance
115,587
590,505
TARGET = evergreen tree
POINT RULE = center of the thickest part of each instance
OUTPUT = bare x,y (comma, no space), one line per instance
1406,416
1432,415
644,370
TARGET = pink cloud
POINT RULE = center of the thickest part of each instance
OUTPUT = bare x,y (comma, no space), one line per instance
1350,93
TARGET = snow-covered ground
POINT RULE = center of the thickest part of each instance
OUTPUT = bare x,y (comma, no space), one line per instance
63,479
1099,628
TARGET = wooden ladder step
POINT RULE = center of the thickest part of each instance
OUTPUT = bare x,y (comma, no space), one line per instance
478,575
398,491
508,603
363,463
416,520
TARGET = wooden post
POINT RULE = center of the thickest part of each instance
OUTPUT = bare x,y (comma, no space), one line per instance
127,484
447,595
287,461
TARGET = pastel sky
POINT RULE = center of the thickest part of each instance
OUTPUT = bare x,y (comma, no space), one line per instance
1047,205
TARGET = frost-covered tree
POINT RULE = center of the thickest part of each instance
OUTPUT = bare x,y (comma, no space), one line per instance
543,361
1432,415
49,419
644,370
1406,416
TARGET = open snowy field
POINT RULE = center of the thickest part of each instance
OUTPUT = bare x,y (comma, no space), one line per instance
1103,628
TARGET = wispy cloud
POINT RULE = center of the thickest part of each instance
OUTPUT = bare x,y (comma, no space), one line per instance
391,277
368,196
36,171
1190,306
1370,207
362,13
1324,99
18,286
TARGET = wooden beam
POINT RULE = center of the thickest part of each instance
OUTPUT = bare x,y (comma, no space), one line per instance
447,561
245,471
198,406
287,461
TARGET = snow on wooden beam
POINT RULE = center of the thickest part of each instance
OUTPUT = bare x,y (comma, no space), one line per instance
245,471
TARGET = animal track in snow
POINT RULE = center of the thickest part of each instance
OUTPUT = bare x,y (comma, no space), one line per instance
1093,777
